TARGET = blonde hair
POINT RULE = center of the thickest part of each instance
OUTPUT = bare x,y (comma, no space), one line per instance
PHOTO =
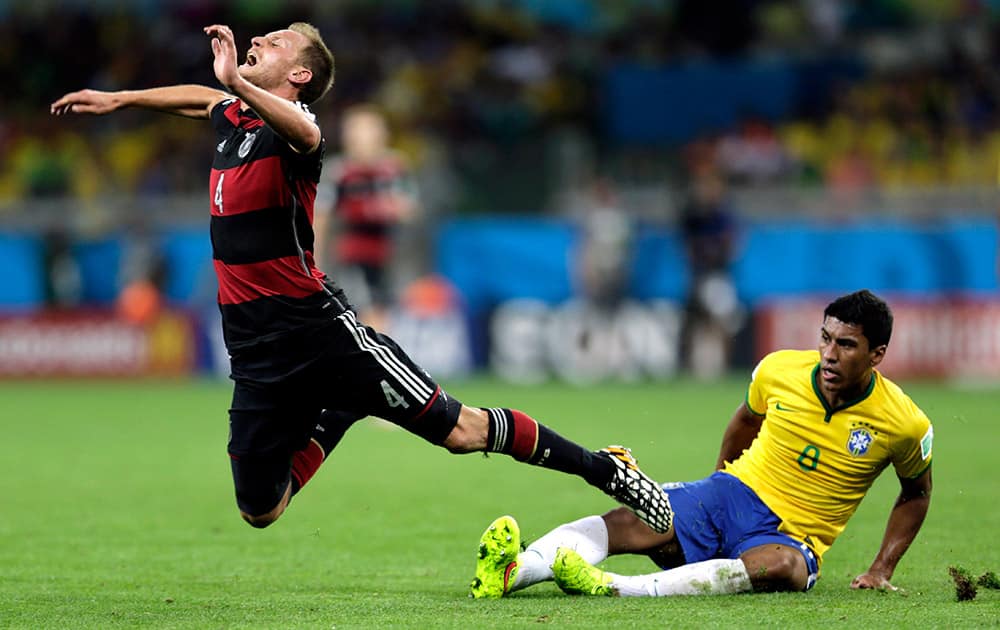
318,59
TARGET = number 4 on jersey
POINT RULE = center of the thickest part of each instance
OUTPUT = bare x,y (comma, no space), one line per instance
218,192
392,396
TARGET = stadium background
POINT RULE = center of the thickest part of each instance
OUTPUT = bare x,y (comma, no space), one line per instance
855,144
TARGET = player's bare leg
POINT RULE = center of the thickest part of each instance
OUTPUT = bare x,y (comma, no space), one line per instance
775,568
471,432
613,470
627,534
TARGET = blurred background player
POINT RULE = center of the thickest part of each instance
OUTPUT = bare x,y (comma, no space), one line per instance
365,195
713,313
604,255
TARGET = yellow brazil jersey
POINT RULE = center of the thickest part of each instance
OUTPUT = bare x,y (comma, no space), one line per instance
812,465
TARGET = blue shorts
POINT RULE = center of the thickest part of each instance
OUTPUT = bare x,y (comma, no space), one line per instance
720,517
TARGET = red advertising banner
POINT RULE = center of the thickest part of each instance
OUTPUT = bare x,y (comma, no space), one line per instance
945,338
95,343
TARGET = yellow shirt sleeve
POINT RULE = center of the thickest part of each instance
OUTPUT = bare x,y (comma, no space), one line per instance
913,454
756,399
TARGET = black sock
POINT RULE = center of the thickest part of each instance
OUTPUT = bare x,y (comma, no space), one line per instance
517,434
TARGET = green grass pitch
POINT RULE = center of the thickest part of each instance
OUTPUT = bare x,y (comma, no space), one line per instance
116,510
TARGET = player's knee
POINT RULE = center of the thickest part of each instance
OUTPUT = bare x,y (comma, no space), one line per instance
792,572
259,522
262,520
253,507
783,571
469,434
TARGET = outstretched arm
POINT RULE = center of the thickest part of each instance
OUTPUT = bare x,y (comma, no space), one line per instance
740,433
904,522
191,101
287,120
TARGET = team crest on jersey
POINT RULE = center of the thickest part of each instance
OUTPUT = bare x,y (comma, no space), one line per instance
246,145
859,442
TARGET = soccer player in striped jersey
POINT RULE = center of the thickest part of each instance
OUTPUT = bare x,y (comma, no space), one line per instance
367,194
304,367
798,456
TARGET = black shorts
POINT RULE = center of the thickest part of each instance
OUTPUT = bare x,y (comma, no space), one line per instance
369,284
281,389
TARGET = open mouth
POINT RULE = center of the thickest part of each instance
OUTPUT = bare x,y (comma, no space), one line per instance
251,59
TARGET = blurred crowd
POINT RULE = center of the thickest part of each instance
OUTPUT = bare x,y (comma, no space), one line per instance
915,128
481,95
449,106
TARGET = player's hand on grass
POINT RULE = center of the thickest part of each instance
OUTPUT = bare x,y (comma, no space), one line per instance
872,581
224,49
86,102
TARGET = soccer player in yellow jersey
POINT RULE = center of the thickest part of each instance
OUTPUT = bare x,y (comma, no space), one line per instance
798,456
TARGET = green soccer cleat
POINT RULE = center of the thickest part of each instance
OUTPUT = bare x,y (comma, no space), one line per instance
575,576
497,565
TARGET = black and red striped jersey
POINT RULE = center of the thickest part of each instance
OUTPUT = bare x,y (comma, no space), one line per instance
262,194
366,206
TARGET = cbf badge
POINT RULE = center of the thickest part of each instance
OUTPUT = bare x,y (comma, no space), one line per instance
859,442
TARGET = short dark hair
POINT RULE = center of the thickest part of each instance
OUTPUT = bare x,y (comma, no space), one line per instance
864,308
318,58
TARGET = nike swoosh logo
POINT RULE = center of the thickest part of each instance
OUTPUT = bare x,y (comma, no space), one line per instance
780,408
